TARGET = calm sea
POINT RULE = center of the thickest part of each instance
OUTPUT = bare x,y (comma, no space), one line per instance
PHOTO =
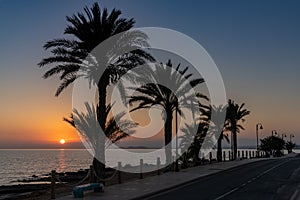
21,164
18,164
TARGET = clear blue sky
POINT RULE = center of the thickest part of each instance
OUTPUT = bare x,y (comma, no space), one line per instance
255,44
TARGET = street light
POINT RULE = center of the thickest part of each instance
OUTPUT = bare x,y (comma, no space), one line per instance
291,135
283,135
274,132
258,125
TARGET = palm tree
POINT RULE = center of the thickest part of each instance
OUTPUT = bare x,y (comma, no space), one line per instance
220,125
116,128
235,114
289,146
170,100
272,145
87,31
191,143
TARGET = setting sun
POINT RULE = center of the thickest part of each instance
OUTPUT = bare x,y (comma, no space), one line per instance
62,141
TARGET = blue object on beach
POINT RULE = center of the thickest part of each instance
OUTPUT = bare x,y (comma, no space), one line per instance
79,190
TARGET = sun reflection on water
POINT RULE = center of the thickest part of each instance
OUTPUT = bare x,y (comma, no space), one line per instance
61,161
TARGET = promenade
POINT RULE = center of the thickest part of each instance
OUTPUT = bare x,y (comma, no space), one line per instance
138,189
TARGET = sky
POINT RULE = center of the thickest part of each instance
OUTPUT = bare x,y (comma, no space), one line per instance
255,45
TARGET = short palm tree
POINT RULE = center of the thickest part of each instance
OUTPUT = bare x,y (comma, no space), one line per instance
85,32
170,100
191,143
220,126
289,146
116,128
235,114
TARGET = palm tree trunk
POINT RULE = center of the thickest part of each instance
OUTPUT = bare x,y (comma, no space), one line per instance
219,150
168,136
99,166
196,158
234,144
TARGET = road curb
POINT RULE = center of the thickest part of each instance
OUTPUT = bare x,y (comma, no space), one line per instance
192,181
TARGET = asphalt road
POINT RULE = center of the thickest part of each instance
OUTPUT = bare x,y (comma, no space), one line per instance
269,179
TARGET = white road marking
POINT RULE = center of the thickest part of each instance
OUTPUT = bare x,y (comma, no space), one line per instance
295,194
253,179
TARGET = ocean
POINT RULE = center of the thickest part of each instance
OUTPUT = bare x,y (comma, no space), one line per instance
16,164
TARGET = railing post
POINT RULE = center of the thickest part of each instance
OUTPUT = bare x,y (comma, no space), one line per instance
243,154
141,168
246,154
224,156
229,155
119,172
158,165
53,173
238,154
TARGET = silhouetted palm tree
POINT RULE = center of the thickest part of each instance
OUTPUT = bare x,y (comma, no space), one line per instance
235,114
272,145
170,100
220,125
86,123
191,142
289,146
87,31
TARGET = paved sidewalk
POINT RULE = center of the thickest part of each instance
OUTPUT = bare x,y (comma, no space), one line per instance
155,184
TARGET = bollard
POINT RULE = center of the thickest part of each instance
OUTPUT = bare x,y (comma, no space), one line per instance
92,175
158,165
53,173
210,157
119,172
242,154
246,154
173,163
202,158
224,156
238,155
229,156
141,168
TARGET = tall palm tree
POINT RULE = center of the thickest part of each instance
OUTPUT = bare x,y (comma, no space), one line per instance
170,100
235,114
87,30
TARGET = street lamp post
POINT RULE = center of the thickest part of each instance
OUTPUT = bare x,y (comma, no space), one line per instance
258,125
274,132
291,135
